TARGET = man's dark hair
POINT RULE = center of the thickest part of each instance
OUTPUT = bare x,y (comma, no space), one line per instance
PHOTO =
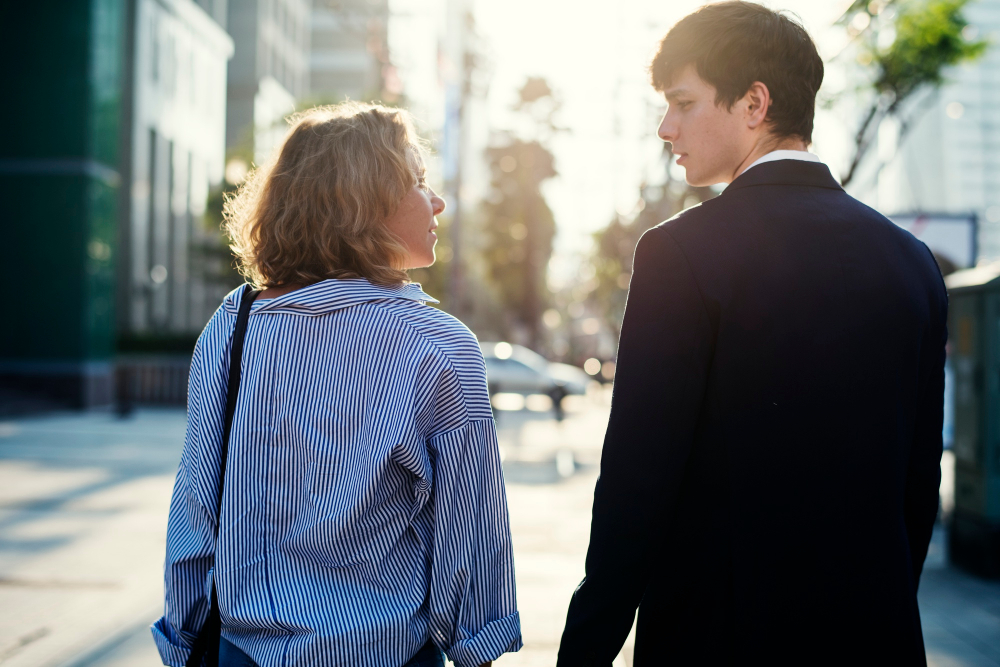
732,45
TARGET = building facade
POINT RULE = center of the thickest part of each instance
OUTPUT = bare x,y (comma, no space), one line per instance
268,73
176,154
950,161
349,51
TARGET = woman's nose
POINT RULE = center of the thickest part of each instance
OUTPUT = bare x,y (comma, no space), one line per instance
438,204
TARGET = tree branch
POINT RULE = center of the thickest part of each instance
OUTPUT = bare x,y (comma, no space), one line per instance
863,141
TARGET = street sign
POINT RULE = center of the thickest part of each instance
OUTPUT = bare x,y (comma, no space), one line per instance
949,236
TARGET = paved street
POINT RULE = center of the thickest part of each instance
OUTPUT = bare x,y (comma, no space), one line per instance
83,502
83,513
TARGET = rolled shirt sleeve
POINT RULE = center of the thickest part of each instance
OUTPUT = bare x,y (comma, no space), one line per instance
190,528
186,577
473,610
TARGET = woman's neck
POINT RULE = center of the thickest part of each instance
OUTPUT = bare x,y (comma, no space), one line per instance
280,290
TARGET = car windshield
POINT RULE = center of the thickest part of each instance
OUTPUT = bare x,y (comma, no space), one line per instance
529,358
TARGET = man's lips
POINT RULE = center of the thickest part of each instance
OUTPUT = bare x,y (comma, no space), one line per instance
680,156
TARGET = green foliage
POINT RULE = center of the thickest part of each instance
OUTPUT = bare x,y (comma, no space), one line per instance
930,36
210,250
519,229
518,226
614,246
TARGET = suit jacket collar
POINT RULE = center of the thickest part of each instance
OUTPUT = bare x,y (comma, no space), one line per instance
786,172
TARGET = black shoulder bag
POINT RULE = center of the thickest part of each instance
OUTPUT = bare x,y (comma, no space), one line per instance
206,646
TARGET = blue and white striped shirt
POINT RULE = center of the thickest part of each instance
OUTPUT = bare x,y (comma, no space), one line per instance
364,507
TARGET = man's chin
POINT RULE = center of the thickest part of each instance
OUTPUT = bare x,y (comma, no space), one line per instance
692,177
703,181
697,179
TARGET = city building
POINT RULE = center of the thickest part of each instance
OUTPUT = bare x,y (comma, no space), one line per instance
104,206
950,161
59,181
443,78
349,52
175,154
268,74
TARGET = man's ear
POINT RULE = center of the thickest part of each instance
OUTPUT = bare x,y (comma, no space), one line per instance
758,101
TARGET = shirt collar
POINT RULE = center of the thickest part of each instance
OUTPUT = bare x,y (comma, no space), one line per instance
329,295
786,172
804,156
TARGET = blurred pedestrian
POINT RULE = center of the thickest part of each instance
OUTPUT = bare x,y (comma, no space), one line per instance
362,518
769,480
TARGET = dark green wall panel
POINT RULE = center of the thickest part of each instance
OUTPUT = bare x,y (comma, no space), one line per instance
59,180
46,230
51,79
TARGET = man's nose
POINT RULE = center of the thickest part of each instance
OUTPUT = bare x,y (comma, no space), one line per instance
666,131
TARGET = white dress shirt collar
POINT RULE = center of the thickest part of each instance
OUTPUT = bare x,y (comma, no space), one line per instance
804,156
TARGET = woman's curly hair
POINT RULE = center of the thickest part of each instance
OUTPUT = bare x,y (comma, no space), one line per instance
318,210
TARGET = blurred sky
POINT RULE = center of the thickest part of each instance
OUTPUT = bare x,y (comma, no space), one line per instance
595,55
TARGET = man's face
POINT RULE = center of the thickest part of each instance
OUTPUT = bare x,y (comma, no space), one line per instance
710,141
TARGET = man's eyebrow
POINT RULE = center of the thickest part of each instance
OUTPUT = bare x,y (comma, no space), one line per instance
675,93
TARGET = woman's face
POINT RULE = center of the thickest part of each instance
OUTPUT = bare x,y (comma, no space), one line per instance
413,222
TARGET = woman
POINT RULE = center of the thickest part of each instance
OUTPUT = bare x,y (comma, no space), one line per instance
363,518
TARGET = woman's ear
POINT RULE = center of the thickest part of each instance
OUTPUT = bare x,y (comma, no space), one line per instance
758,100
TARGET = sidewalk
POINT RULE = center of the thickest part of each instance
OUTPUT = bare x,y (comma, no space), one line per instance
83,503
83,506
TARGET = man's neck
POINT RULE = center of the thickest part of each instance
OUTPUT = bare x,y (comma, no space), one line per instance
768,145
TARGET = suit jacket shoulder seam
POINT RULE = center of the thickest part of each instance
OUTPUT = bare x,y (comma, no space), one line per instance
690,270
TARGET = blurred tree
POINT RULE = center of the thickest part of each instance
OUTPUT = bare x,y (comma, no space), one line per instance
518,226
434,279
614,246
518,230
539,104
210,249
484,313
907,45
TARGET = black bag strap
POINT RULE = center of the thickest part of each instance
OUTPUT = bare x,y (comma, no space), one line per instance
235,371
206,646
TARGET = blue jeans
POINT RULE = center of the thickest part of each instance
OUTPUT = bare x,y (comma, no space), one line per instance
429,656
231,656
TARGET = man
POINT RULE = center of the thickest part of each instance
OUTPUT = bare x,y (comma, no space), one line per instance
770,472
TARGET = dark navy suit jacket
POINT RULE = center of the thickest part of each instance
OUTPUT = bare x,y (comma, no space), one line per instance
769,480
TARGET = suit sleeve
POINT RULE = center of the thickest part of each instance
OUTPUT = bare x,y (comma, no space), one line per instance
923,478
663,358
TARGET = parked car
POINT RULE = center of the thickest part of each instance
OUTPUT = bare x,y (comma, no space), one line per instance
516,369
